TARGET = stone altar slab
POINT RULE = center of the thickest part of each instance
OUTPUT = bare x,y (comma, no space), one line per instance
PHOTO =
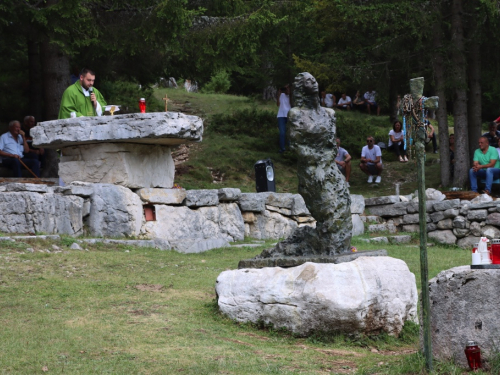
158,128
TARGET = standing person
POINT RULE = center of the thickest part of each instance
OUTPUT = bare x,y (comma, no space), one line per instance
343,161
397,141
12,146
283,102
485,165
431,134
82,98
371,160
370,99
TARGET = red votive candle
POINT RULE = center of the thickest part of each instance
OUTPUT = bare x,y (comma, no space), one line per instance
142,105
495,251
473,354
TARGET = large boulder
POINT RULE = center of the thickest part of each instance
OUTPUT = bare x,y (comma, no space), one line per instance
464,307
367,295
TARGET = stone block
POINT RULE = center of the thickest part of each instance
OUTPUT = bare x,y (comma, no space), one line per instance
162,196
446,205
255,202
479,206
340,294
400,239
477,215
358,227
468,242
444,224
357,204
493,219
154,128
379,240
377,201
460,222
272,225
83,190
434,195
437,216
17,186
384,227
294,203
371,219
412,207
483,198
464,307
202,198
115,212
475,229
388,210
431,227
445,237
248,217
411,228
229,194
413,219
451,213
283,211
490,232
127,164
460,233
32,212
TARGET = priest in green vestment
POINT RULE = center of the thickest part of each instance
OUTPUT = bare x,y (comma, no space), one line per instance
82,98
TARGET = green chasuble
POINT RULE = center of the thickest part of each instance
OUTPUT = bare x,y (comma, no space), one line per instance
74,100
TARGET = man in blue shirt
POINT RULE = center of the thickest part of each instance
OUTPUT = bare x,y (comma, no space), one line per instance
12,146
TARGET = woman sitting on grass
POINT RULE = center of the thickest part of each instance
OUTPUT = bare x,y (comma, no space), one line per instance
396,141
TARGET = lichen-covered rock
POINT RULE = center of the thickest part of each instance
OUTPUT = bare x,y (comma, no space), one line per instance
443,236
162,196
367,295
253,202
229,194
357,204
378,201
464,307
202,198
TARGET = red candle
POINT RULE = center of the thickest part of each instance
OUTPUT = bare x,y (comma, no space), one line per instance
142,105
495,251
473,354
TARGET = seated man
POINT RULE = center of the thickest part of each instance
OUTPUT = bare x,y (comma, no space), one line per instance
34,153
371,160
328,100
370,99
12,145
485,165
343,160
344,102
493,134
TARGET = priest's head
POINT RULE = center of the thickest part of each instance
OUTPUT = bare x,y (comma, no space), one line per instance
87,78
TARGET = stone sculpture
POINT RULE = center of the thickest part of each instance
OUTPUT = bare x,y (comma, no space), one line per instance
313,135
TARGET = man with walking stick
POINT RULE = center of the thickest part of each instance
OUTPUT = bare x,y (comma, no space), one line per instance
12,146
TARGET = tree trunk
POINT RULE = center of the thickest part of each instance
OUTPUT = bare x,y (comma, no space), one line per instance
474,104
442,112
35,78
459,84
55,67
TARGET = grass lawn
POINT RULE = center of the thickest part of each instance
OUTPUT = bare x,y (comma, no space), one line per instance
122,310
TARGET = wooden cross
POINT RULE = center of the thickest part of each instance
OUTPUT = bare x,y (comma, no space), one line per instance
414,106
166,100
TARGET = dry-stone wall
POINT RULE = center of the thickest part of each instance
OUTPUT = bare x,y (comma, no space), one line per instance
186,220
451,222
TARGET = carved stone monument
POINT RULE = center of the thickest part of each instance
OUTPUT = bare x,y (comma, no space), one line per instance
321,184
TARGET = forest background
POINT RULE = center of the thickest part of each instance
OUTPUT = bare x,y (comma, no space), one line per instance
260,45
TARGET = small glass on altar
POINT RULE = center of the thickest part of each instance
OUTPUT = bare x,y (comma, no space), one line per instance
473,354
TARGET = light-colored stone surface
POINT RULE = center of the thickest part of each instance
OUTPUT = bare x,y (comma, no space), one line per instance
413,207
377,201
483,198
17,186
464,307
126,164
477,215
434,195
271,225
229,194
156,128
378,240
443,236
177,224
115,212
445,224
357,204
198,245
371,219
384,227
388,210
369,294
358,227
162,196
31,212
490,232
400,239
202,198
468,242
254,202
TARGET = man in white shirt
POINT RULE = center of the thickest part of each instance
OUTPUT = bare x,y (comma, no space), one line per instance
344,102
371,160
12,146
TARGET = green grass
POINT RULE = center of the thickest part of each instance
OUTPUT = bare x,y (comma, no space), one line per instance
124,310
233,156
